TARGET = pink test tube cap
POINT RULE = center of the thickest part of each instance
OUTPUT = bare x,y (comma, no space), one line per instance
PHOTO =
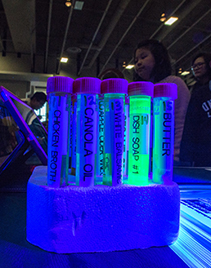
140,88
60,84
168,90
114,85
86,85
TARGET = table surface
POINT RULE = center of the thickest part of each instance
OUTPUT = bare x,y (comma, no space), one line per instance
16,251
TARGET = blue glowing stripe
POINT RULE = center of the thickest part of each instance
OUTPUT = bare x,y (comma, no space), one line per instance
191,248
194,254
193,245
198,209
197,232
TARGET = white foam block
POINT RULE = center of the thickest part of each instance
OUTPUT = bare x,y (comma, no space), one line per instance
101,218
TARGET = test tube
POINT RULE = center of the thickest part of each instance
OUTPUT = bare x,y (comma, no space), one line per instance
87,90
74,124
114,91
59,91
140,94
163,141
71,135
100,145
126,140
151,143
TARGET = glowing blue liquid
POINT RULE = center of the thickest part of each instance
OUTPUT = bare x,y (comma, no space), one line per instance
113,138
163,143
126,142
71,137
58,141
100,138
74,126
86,139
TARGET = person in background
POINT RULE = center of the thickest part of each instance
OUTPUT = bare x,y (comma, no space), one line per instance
111,73
37,100
196,140
152,63
201,68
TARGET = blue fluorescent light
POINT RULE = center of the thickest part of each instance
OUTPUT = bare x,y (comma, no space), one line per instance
193,245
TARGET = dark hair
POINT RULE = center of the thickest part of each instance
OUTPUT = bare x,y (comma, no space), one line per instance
162,66
207,59
39,96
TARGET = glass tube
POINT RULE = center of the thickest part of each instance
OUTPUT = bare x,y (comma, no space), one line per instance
87,90
163,142
140,94
74,124
114,91
59,91
100,145
126,140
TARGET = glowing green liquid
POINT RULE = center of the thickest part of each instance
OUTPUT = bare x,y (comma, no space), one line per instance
107,176
138,172
139,137
100,140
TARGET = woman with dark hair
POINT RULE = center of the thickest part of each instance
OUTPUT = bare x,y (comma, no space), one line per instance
201,68
152,63
196,140
157,55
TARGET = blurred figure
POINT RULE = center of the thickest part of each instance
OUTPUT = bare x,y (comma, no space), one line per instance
8,130
37,100
152,63
111,73
196,140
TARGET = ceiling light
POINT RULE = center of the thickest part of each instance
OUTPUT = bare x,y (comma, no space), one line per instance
64,60
180,70
79,5
170,21
185,73
163,17
68,3
129,66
